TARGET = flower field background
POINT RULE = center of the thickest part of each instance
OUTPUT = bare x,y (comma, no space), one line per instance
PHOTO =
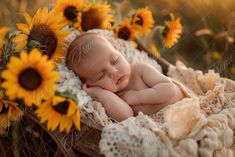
208,28
200,33
207,40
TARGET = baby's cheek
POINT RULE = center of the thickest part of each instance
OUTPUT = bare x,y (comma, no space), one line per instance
111,86
107,84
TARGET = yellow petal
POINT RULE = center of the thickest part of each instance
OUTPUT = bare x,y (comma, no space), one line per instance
54,121
50,123
57,99
20,37
76,120
28,18
23,27
24,56
69,124
12,91
21,44
62,123
9,76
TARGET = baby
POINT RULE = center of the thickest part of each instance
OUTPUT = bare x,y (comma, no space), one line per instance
124,89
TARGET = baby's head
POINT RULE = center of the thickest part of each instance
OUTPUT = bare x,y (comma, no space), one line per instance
98,63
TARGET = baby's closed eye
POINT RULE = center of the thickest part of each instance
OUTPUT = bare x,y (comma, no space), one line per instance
115,60
101,76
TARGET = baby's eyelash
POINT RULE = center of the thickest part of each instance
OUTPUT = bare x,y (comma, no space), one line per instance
101,77
116,60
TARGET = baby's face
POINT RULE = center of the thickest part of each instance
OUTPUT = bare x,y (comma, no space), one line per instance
104,67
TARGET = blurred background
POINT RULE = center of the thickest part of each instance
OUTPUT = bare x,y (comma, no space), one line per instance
208,34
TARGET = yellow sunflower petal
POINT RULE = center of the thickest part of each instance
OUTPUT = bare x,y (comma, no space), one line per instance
72,108
53,122
28,18
76,120
125,30
68,124
9,76
23,27
49,26
95,15
172,31
63,123
32,82
143,20
57,99
3,32
20,37
44,111
22,43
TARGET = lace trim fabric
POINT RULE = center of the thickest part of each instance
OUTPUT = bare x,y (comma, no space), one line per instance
200,125
92,112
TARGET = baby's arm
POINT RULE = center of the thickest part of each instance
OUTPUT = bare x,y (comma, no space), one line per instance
161,87
114,106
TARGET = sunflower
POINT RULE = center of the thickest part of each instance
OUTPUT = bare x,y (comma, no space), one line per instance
143,20
43,31
70,9
3,32
171,32
59,111
125,30
8,112
95,16
30,77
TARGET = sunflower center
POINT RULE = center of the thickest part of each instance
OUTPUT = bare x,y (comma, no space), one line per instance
70,13
124,33
140,20
165,31
30,79
4,109
91,19
62,107
46,37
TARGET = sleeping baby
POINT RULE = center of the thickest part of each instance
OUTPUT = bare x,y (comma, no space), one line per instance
123,89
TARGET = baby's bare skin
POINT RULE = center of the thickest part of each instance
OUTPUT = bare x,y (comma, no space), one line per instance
123,89
137,84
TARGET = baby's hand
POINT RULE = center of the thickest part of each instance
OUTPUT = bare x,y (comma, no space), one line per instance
92,91
131,97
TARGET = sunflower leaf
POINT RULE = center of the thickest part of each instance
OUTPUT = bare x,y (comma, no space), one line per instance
33,44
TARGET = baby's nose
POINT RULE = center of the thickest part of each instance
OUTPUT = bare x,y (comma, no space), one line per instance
114,73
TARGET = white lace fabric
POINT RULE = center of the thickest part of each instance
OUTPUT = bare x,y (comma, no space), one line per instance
201,124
